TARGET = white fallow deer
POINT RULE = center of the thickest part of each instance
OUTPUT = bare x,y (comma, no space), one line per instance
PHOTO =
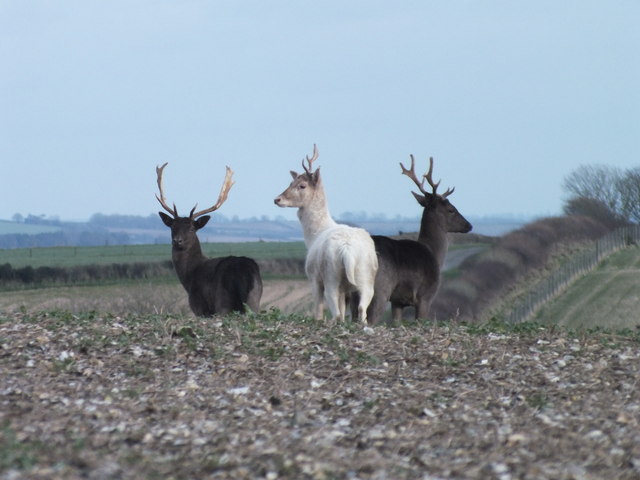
341,259
214,285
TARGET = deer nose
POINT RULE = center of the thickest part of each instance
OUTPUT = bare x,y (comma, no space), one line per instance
277,200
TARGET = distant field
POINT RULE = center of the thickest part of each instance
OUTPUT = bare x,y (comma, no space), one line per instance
8,228
608,297
72,256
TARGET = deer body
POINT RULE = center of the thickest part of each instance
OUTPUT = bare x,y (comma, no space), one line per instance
214,285
408,275
340,259
409,271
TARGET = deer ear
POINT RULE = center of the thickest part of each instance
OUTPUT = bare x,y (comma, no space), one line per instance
293,174
315,176
422,200
201,222
166,219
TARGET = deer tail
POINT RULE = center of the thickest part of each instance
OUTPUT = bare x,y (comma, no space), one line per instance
350,263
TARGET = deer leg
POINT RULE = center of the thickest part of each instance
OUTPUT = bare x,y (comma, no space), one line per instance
332,298
253,299
342,305
354,301
366,295
376,308
317,290
422,309
396,312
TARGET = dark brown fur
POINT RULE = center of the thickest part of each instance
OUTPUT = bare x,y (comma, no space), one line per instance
214,285
409,271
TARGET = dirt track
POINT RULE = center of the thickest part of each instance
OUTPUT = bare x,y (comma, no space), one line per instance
288,296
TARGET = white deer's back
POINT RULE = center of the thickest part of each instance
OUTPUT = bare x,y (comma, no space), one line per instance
342,249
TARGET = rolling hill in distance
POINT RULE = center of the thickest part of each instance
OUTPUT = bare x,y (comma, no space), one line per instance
34,231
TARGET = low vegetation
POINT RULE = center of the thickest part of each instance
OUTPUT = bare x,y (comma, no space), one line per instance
487,278
282,396
607,297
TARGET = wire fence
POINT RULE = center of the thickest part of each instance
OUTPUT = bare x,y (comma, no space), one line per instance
561,278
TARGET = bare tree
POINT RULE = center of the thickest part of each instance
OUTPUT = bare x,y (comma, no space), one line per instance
630,195
598,182
603,192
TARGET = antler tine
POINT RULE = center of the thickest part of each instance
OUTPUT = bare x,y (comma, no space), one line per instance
173,211
429,178
411,173
224,192
310,160
448,192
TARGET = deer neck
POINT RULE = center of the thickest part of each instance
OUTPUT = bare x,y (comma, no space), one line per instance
185,261
434,235
315,217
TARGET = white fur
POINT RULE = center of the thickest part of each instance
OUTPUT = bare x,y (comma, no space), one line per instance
340,259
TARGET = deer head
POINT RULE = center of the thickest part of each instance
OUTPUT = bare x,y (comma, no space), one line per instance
183,229
303,186
436,206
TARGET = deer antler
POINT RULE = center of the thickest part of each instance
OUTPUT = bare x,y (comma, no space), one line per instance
435,185
310,160
173,211
427,176
411,173
224,192
448,192
430,178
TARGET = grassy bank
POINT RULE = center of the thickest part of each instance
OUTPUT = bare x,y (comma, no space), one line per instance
606,297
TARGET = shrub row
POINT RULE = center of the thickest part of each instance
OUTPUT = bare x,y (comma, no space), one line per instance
485,278
81,274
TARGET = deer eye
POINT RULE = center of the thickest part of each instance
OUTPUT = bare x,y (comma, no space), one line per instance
302,186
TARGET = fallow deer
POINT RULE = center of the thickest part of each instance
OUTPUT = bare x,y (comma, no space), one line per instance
340,259
214,285
409,271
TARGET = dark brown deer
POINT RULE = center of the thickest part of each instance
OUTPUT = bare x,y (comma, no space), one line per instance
214,285
409,271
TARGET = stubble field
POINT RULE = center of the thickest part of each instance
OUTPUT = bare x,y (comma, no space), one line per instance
104,396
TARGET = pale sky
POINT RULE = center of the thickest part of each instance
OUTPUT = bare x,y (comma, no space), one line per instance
507,96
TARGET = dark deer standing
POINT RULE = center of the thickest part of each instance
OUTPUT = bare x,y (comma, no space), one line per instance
214,285
409,271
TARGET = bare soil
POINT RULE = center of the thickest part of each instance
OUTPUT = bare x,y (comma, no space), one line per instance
100,396
287,295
